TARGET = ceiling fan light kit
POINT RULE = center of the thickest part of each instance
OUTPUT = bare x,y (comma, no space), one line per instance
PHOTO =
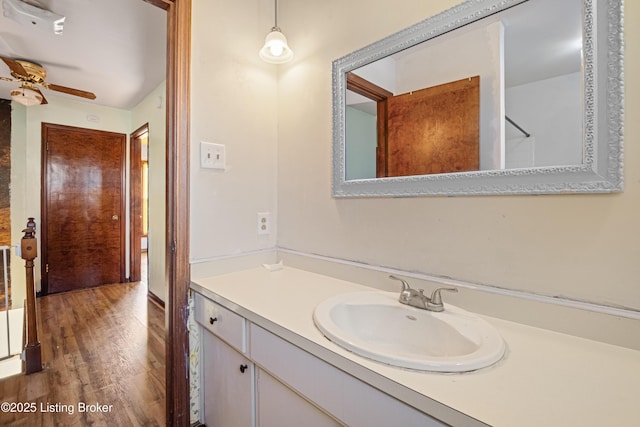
30,75
33,16
275,49
27,97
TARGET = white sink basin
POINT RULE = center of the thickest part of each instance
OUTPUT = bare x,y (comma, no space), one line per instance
375,325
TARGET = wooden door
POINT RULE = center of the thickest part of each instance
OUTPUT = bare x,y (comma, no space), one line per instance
83,229
434,130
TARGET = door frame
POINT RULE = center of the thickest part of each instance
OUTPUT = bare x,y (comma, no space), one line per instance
44,211
380,96
177,246
135,202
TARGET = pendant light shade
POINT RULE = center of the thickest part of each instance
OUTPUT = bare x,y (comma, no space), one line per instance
26,96
275,49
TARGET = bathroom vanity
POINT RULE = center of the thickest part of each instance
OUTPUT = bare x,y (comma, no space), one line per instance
250,372
263,362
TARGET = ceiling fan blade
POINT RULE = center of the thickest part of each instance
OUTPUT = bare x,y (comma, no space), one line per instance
70,91
44,100
15,66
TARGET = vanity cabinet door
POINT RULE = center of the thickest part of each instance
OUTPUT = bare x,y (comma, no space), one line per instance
272,397
228,385
345,397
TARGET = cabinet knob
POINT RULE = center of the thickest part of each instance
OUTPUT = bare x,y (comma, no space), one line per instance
212,320
243,368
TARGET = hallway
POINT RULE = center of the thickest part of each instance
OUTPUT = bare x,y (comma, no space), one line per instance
102,345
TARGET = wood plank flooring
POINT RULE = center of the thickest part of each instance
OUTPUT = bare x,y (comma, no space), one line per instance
102,345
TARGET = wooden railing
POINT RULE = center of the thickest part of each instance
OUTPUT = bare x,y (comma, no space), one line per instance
32,351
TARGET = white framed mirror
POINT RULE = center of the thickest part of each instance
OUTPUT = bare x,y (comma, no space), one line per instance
490,97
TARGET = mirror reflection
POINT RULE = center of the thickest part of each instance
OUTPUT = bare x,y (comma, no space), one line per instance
496,94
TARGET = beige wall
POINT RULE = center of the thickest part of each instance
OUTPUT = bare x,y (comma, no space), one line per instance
233,102
18,200
583,247
276,124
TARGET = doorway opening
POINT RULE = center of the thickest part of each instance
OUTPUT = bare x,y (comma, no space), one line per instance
139,219
144,241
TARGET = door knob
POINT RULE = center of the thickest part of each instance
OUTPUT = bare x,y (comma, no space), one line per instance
114,217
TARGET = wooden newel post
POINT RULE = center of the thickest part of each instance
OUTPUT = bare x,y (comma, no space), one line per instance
33,353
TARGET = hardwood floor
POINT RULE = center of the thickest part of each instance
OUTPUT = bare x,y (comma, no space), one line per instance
102,345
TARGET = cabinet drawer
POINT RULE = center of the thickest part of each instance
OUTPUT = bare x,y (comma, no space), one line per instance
222,322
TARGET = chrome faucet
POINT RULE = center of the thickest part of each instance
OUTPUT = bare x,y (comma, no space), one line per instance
417,298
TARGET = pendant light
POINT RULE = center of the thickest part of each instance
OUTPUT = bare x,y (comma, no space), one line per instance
275,49
26,96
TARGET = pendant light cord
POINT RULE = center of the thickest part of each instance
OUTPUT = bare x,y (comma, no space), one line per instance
276,8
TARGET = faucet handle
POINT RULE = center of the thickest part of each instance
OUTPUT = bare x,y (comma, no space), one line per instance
436,299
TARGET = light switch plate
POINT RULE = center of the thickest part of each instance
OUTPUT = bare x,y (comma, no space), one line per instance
212,156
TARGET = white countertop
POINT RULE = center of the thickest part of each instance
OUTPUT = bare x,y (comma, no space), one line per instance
546,378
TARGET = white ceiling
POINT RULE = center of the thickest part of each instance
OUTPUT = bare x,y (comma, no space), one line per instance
542,39
113,48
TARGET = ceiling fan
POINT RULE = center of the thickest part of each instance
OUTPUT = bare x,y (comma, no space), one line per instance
31,75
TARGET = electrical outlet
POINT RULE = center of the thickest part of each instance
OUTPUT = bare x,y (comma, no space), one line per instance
212,156
264,223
